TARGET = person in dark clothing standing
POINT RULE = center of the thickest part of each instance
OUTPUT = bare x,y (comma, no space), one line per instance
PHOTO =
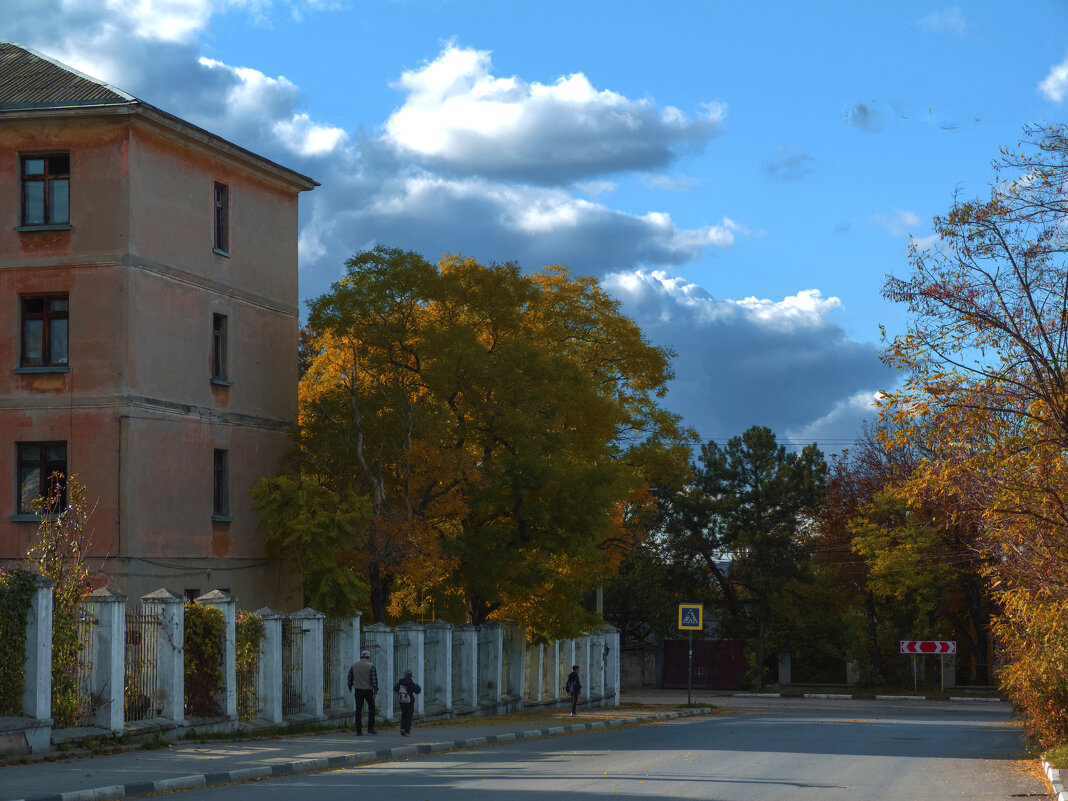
363,680
573,687
406,690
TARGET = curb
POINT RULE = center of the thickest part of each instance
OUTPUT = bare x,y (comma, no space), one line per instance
1054,776
863,697
201,780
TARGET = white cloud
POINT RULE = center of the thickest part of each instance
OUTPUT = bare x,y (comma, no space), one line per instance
301,135
899,223
458,116
947,20
838,428
671,183
925,242
176,21
596,188
1055,85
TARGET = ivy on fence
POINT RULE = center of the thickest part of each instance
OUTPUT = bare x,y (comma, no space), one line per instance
205,628
16,594
249,635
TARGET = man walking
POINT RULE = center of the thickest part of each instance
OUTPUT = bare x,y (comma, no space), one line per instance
363,680
573,687
406,690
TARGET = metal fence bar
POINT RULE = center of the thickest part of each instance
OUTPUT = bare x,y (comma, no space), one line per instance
85,705
332,664
292,668
141,694
248,696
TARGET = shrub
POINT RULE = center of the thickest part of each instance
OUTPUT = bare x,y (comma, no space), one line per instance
205,628
249,634
16,594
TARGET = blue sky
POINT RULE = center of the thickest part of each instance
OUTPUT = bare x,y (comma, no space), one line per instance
742,176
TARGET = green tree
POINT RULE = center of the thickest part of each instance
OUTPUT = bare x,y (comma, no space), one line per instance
316,531
504,428
753,502
641,598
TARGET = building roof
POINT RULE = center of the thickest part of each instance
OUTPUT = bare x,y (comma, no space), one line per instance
30,80
32,83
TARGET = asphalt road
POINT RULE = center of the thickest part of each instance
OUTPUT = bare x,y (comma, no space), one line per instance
759,750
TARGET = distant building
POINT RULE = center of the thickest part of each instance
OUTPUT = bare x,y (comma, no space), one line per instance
148,276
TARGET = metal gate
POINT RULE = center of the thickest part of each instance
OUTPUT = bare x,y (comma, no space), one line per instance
141,688
332,665
86,705
292,668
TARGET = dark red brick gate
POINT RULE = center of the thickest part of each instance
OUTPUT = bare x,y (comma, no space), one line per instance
717,664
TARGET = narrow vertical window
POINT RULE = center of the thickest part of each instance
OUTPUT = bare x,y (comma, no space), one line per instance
222,218
44,331
46,189
219,348
41,466
221,501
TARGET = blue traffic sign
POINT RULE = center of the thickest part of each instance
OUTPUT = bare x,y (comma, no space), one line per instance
691,617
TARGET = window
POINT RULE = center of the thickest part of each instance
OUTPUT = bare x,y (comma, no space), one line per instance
44,331
219,347
221,501
38,464
46,189
222,218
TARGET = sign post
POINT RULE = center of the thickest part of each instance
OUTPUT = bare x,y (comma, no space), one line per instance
940,647
691,619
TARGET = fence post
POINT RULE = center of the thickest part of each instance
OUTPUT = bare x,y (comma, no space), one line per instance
611,677
597,666
566,657
550,671
171,677
378,639
37,686
414,636
582,659
513,664
348,647
107,683
269,685
490,653
311,660
533,656
464,690
224,602
437,660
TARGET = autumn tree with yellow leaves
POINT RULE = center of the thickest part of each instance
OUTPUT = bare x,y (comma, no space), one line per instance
503,429
985,361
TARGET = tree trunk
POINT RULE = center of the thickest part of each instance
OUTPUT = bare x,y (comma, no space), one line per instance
762,627
875,653
379,583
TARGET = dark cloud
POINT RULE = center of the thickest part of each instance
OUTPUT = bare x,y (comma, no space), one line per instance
868,117
756,362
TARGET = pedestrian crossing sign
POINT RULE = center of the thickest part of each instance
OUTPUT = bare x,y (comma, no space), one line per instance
691,617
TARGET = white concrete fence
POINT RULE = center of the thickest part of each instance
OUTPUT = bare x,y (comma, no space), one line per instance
133,679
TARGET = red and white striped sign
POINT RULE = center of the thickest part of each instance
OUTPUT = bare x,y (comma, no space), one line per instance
928,647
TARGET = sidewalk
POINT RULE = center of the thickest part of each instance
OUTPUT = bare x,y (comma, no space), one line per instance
189,764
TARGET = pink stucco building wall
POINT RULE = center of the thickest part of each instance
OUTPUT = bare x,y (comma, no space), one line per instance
136,404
